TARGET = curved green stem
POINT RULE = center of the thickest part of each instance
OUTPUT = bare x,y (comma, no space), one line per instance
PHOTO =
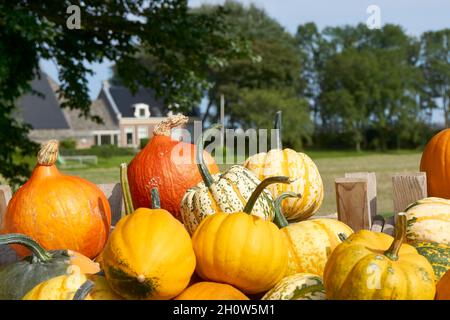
156,204
277,126
16,238
202,167
280,220
126,189
83,290
400,234
259,189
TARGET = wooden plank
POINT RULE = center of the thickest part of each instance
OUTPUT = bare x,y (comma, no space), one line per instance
113,192
5,196
408,188
371,190
352,202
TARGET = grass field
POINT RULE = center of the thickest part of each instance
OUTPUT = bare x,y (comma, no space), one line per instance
331,164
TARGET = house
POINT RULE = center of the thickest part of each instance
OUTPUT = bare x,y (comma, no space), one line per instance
127,117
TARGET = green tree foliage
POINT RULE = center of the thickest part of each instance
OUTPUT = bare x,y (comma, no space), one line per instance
268,81
183,43
435,65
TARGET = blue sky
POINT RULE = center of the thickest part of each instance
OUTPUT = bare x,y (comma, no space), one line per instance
416,16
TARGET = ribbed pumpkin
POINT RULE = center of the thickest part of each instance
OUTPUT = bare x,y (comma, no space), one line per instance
241,249
58,211
302,171
227,192
443,287
375,266
211,291
436,163
65,287
298,286
310,242
17,278
429,220
438,254
166,164
149,254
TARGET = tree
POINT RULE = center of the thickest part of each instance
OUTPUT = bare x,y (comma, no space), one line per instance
181,41
435,66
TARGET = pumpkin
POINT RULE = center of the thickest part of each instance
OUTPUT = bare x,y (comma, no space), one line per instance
211,291
17,278
435,162
429,220
375,266
166,164
227,193
302,171
101,290
438,254
298,286
310,242
65,287
443,287
149,253
58,211
241,249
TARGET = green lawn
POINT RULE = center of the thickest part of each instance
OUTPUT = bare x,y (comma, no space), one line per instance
332,164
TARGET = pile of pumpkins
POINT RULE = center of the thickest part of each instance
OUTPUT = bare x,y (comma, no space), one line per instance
190,232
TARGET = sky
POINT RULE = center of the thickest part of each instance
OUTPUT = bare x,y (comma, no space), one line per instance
416,16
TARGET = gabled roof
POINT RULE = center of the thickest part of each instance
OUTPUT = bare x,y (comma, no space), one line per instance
42,112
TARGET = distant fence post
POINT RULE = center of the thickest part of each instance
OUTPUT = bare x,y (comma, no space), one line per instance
352,202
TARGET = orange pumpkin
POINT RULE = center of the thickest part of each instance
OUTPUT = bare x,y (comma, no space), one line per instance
58,211
436,163
211,291
168,165
443,287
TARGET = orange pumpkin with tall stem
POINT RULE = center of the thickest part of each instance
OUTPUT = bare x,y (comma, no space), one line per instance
58,211
168,165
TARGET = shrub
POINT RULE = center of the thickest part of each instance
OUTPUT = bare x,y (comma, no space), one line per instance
68,144
103,151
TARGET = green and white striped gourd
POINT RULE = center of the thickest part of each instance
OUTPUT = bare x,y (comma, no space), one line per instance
429,220
227,192
299,286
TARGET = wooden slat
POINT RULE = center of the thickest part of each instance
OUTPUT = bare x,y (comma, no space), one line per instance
371,190
113,192
5,196
408,188
378,223
352,202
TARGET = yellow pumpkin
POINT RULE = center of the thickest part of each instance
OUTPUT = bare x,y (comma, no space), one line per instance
429,220
299,286
375,266
211,291
310,242
63,287
302,171
101,289
149,254
240,249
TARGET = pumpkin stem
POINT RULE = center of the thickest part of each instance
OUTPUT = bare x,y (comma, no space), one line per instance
48,154
280,220
259,189
277,126
16,238
163,128
126,189
202,167
400,234
156,204
83,290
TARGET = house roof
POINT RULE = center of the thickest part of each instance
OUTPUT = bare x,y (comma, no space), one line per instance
98,108
42,112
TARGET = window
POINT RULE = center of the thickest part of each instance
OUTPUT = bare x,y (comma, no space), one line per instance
142,133
141,110
105,139
129,135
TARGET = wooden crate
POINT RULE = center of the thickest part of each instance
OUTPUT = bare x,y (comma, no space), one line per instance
356,202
